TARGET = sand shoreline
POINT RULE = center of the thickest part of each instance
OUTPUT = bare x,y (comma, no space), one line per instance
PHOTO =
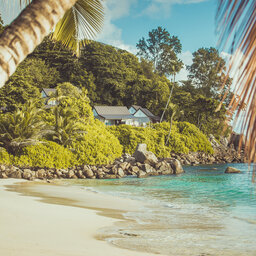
45,219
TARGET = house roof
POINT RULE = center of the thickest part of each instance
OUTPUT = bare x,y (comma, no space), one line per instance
146,112
136,107
49,91
113,112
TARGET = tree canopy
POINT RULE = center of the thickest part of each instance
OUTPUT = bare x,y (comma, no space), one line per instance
112,76
207,72
161,49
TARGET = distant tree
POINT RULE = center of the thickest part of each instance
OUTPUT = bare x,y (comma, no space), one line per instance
207,72
37,73
200,110
70,68
27,82
161,49
16,93
68,90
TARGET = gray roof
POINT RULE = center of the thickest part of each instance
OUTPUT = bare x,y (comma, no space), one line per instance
112,110
49,91
136,107
146,112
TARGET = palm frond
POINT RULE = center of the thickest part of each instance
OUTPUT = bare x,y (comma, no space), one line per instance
83,21
237,27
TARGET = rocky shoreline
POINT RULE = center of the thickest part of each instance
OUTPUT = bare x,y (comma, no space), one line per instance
225,151
142,164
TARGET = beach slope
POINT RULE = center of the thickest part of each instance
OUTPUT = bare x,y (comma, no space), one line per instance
32,227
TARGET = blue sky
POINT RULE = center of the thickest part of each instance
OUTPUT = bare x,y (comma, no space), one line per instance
191,20
126,21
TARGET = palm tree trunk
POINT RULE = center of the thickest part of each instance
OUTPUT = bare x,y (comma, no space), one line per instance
27,31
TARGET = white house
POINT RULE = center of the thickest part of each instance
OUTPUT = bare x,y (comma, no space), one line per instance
144,116
114,115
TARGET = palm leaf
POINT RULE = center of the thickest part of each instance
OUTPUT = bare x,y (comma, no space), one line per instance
83,21
237,27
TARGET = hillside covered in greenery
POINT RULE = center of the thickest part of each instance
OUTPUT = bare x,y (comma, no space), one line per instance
116,77
31,134
67,134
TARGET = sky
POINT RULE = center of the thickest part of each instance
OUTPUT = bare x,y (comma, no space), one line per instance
127,21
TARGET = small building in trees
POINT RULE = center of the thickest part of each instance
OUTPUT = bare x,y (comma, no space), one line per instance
114,115
47,93
144,115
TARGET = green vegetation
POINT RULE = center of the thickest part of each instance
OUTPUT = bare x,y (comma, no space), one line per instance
21,128
113,76
105,75
207,72
45,154
161,49
99,146
5,158
185,138
60,137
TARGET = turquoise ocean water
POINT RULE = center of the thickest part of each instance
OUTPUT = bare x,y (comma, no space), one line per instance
201,212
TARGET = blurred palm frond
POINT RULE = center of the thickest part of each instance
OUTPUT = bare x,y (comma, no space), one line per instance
236,24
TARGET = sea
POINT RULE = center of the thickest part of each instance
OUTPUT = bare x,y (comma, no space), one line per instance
203,212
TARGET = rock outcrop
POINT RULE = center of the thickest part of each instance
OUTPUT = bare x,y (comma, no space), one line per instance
224,152
232,170
143,156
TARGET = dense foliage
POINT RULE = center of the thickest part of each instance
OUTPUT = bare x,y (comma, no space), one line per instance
22,127
45,154
98,147
161,49
105,75
59,137
184,138
5,158
207,72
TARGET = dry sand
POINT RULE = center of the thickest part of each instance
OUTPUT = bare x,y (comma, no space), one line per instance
55,220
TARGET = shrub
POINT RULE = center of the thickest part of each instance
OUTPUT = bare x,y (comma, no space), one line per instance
5,158
184,138
46,154
130,137
98,147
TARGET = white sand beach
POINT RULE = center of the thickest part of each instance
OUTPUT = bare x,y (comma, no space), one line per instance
64,223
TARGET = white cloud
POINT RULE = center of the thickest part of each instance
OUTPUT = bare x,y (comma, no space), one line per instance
118,9
163,7
186,58
111,34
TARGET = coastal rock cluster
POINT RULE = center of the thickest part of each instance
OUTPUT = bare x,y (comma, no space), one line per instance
142,164
225,151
